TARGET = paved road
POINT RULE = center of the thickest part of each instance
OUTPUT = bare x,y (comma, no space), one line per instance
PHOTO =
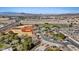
9,26
52,41
73,41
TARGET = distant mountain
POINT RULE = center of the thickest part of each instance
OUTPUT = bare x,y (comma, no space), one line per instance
29,14
9,14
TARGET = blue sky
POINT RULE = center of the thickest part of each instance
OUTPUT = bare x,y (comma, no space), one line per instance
41,10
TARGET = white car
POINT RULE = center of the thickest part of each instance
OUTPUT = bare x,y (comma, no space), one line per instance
1,25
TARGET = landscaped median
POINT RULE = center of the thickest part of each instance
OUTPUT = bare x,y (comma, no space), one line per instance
59,36
53,48
52,31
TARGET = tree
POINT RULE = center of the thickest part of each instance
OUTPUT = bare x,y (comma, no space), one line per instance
71,24
1,46
27,43
11,32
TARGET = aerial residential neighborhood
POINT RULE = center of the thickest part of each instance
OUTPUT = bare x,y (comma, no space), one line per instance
39,32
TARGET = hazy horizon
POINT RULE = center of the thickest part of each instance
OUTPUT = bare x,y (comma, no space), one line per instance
41,10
